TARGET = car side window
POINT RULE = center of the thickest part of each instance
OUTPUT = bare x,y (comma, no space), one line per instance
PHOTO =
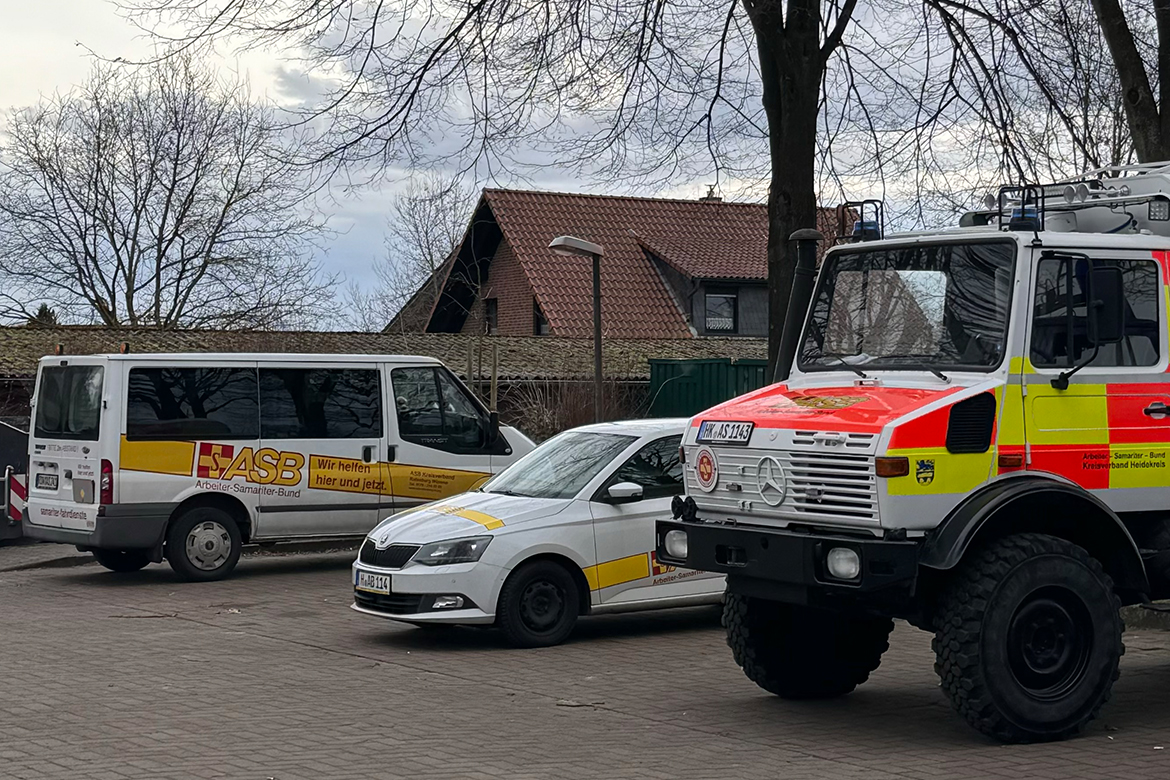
656,467
434,410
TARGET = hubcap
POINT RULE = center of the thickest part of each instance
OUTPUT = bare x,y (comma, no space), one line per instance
1049,640
208,546
542,605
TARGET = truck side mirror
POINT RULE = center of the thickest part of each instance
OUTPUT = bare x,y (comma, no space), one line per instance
1106,308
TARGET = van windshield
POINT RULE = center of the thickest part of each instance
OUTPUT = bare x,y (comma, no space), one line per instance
928,305
561,466
69,403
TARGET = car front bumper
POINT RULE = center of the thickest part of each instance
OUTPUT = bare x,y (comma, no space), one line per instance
414,588
789,566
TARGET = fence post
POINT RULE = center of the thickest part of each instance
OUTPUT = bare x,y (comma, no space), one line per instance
495,376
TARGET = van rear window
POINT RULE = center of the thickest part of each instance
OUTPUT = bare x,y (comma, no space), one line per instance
192,403
69,403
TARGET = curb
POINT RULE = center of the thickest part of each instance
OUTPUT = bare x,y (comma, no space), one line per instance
250,551
1154,616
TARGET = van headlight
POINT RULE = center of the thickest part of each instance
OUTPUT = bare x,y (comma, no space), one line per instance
466,550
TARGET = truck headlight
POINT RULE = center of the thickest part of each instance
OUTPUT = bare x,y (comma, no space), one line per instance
466,550
675,543
843,563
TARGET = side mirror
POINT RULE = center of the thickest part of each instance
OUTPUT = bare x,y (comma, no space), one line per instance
624,493
493,431
1106,309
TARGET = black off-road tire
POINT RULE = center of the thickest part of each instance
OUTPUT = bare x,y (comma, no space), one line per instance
538,605
803,653
1028,637
122,561
216,538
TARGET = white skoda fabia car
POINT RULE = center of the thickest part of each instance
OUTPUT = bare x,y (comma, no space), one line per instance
567,530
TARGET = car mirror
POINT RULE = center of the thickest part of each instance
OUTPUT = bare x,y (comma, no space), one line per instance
1106,309
624,493
493,428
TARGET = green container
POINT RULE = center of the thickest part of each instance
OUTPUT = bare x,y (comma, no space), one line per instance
682,388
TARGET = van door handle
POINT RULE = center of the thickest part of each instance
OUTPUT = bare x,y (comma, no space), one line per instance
68,473
1157,408
368,453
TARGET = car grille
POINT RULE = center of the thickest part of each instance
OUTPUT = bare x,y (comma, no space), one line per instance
393,604
393,557
838,487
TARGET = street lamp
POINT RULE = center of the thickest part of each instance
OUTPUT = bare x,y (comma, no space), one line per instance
576,247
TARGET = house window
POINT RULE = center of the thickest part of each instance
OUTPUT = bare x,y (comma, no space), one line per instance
539,323
722,311
491,316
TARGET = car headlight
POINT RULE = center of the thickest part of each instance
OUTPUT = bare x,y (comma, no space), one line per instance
466,550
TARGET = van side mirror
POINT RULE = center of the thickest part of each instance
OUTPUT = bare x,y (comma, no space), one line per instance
493,430
1106,308
624,493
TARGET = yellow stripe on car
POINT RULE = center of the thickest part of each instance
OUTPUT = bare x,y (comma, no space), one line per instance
618,572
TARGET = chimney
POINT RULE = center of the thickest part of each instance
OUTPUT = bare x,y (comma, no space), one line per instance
710,197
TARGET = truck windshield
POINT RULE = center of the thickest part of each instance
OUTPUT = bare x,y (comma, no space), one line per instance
916,307
561,466
69,403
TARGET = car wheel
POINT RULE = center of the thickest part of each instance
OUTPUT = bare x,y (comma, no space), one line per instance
123,561
538,605
1028,639
203,544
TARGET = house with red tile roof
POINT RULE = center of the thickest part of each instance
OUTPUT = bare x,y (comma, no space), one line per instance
671,269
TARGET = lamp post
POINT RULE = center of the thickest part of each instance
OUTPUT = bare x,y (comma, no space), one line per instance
576,247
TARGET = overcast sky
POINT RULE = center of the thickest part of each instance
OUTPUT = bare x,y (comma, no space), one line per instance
44,48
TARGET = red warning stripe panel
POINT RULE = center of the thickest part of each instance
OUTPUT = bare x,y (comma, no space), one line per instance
18,488
1086,465
1163,258
929,430
1128,421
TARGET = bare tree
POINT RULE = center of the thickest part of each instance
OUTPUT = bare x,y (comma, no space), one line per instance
429,218
158,197
654,90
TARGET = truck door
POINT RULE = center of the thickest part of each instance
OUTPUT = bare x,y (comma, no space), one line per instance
1110,429
322,443
439,436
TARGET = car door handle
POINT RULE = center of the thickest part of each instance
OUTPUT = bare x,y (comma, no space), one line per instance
368,453
1157,409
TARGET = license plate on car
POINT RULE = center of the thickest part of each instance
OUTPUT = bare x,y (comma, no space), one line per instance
719,432
374,583
46,481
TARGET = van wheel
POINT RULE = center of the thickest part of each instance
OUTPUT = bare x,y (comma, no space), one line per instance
203,544
538,605
123,561
1028,638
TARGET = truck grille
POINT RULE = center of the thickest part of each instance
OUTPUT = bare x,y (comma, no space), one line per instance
820,486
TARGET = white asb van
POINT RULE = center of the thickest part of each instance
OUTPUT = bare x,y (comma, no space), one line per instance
190,456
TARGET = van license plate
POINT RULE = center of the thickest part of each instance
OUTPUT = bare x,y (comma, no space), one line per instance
718,432
46,481
374,583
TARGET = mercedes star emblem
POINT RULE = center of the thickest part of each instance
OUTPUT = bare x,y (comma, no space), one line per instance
770,480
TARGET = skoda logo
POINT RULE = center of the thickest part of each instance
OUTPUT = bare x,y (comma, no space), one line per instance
770,480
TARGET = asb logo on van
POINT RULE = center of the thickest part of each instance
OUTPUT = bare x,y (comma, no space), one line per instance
264,466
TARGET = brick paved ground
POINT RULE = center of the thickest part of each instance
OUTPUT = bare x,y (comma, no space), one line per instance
269,675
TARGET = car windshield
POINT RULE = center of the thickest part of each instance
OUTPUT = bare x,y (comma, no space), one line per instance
929,306
561,466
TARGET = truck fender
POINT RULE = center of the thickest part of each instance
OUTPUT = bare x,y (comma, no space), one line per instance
1041,505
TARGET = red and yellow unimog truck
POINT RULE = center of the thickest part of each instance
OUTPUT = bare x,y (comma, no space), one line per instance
974,435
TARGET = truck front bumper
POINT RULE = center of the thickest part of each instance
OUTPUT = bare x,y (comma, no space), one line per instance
790,566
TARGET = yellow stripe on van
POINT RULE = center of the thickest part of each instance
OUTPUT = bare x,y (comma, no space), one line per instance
618,572
158,457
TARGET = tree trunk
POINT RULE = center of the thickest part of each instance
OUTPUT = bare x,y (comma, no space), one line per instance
791,67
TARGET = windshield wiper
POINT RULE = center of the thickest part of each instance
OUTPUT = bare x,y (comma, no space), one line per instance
851,367
504,492
919,364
